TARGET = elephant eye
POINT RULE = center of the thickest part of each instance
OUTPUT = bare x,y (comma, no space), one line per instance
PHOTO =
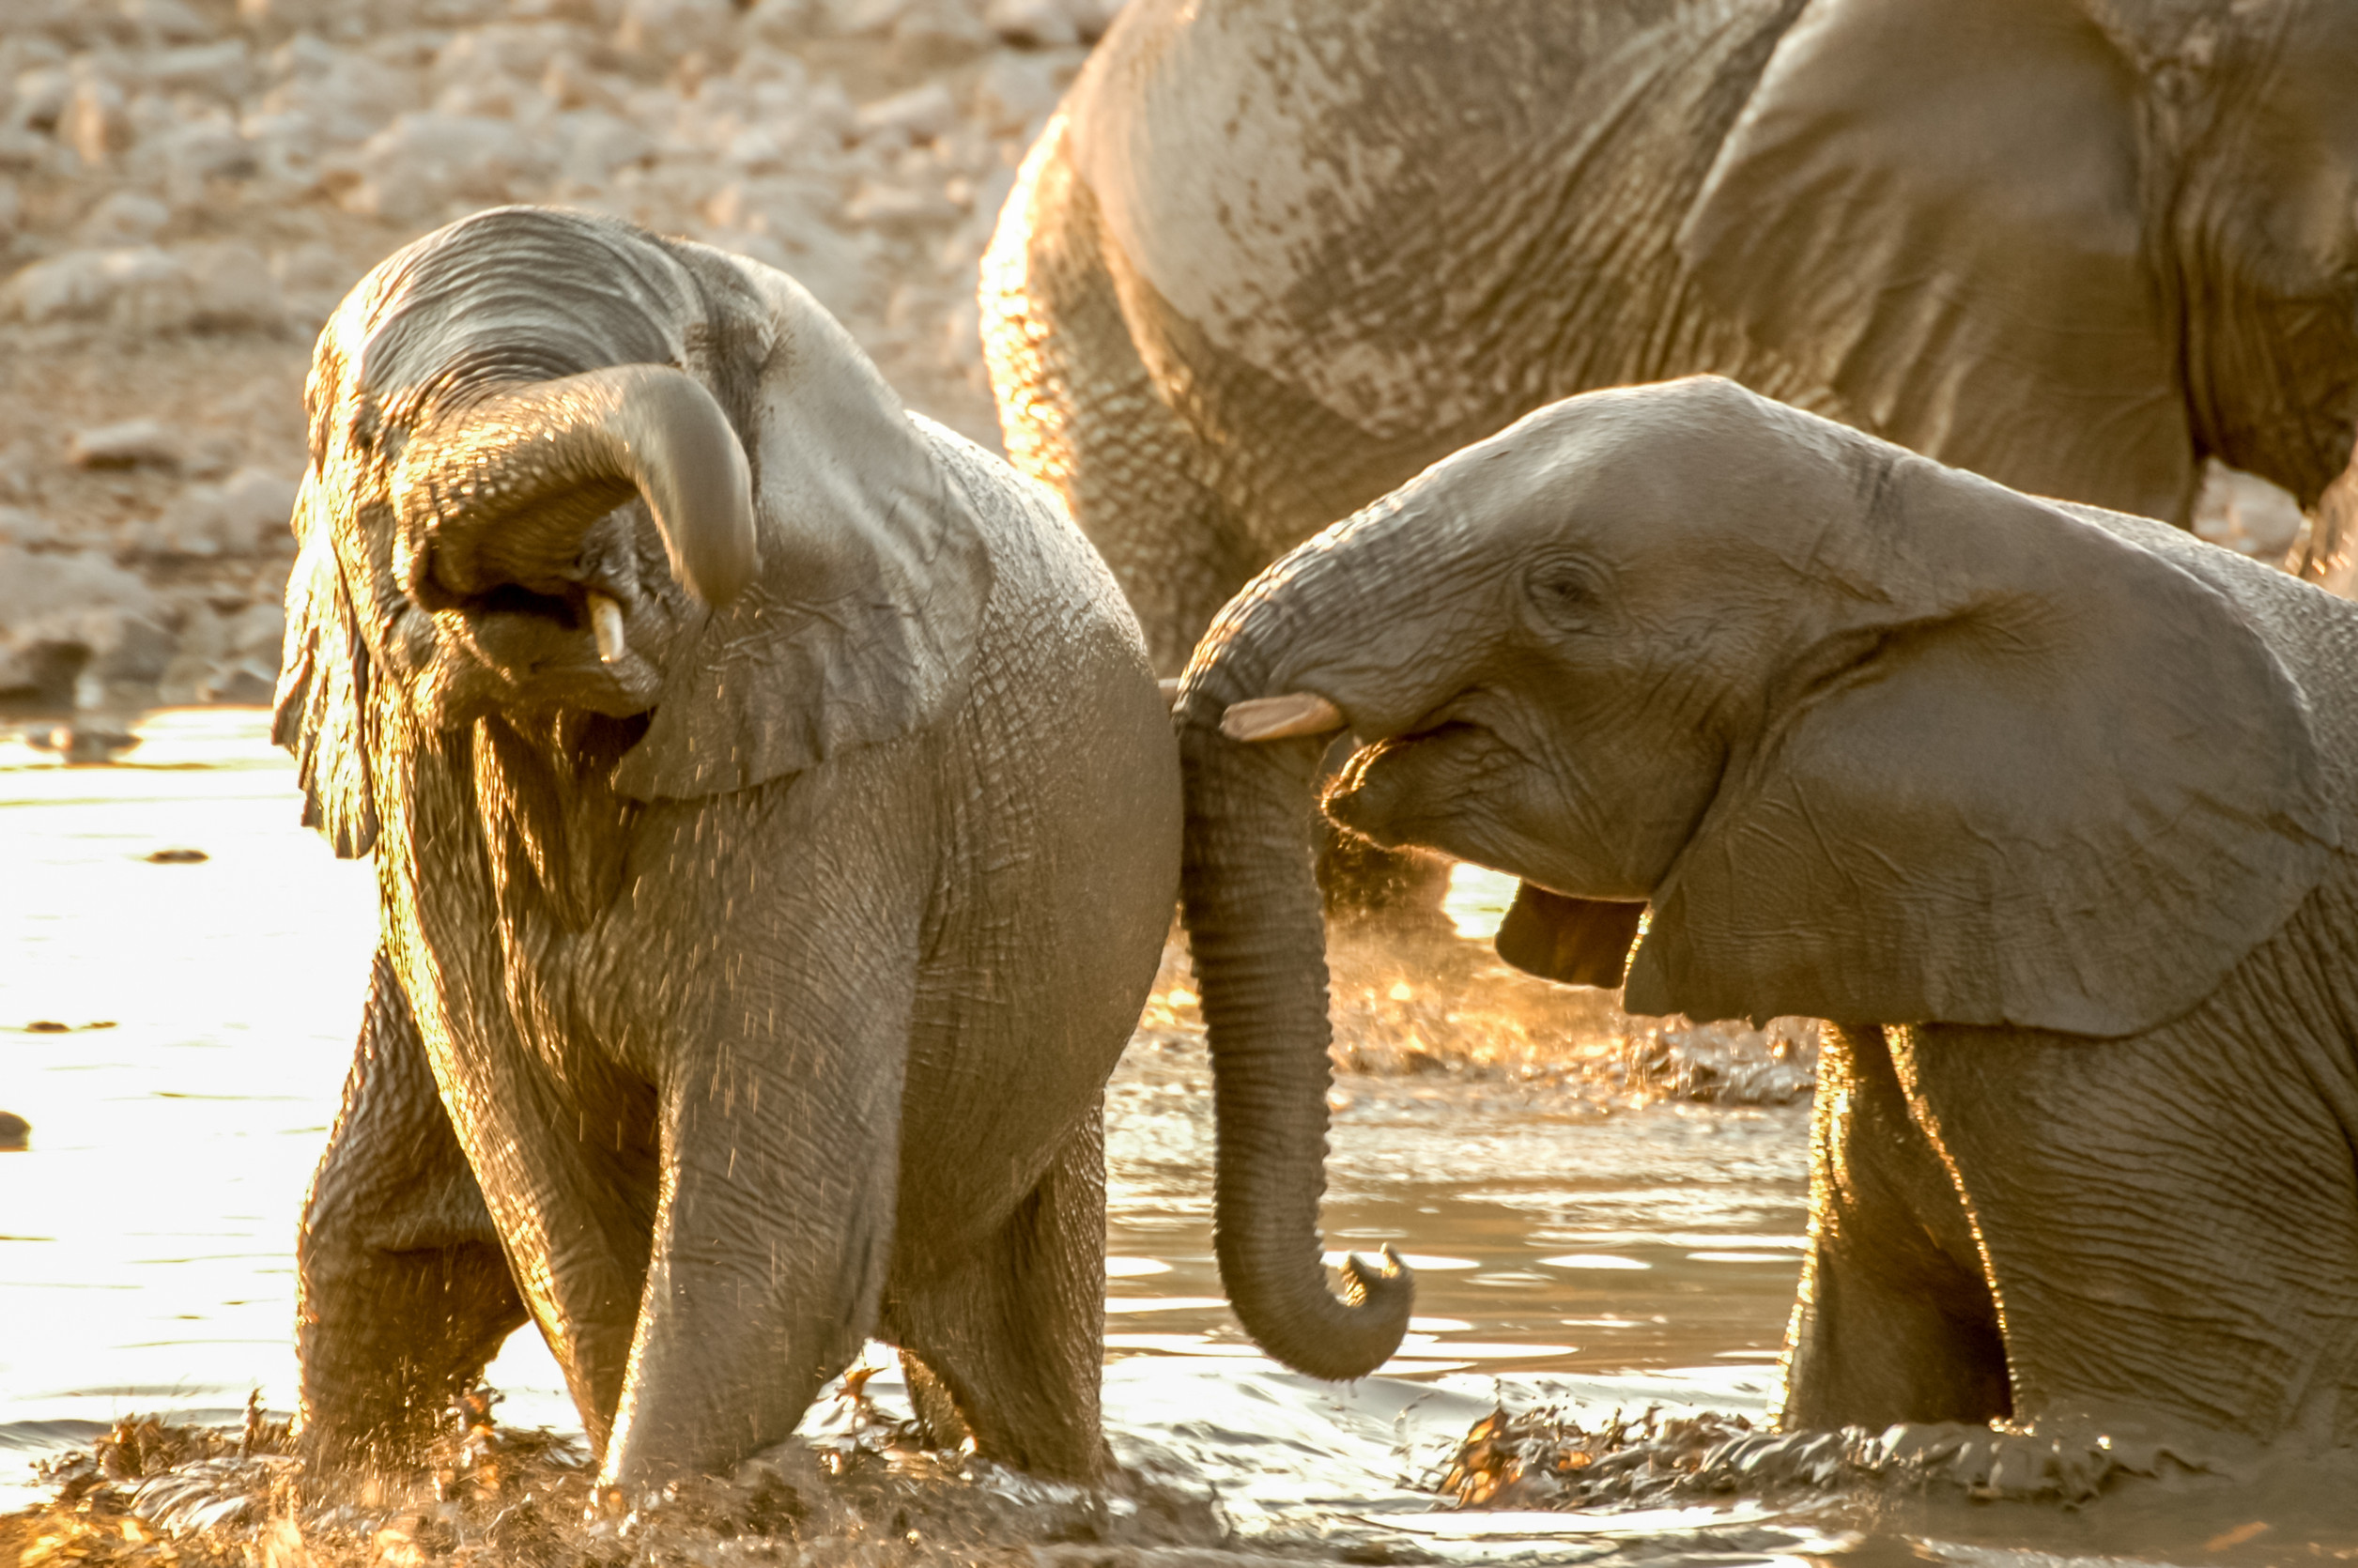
1565,592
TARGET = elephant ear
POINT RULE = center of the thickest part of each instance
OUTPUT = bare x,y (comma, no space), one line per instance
862,624
2049,780
1573,942
323,691
1934,209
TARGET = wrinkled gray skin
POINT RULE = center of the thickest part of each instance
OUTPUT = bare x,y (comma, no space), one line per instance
1277,255
749,993
2044,804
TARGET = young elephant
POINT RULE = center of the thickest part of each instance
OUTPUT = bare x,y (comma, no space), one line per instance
757,940
2044,804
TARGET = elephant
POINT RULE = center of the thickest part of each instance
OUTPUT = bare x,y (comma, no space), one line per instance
1271,259
2048,810
755,942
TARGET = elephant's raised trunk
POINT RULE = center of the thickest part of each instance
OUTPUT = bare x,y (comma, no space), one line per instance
500,490
1250,902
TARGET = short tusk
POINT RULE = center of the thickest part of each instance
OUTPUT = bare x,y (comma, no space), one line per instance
606,624
1281,718
1168,686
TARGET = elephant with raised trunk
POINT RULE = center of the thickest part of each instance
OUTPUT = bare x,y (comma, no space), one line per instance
756,939
1275,257
2045,807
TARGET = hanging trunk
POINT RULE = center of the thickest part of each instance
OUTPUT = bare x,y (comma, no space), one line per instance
1251,908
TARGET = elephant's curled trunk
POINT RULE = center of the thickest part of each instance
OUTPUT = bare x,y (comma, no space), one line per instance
500,490
1251,903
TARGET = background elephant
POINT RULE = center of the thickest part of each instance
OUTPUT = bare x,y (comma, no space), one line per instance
2044,804
750,975
1273,258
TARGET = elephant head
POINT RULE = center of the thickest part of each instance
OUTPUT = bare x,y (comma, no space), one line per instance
2073,243
560,465
1876,740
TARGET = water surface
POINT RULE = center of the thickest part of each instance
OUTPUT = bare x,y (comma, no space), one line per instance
177,1031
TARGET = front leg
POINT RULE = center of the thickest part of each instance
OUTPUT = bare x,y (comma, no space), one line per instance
404,1294
781,1154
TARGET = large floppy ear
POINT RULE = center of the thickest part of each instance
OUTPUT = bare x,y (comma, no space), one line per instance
1573,942
2047,779
323,690
1935,211
863,623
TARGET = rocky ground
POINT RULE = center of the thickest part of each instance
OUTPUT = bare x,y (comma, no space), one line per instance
187,187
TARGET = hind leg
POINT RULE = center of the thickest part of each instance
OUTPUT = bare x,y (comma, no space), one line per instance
1014,1333
404,1293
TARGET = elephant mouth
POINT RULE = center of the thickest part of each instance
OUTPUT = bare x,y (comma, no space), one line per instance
592,638
1403,789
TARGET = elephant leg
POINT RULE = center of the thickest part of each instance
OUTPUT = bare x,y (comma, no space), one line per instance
404,1293
2171,1219
1097,429
1015,1330
781,1134
1894,1322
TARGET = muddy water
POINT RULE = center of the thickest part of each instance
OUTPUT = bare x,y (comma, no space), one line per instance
177,1028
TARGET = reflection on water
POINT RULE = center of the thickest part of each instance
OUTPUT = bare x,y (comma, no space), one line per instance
1568,1246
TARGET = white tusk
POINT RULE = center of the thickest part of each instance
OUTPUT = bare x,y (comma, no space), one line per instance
1281,718
1169,688
606,624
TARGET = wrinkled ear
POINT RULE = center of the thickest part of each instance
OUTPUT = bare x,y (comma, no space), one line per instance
2054,781
862,626
1934,210
323,692
1573,942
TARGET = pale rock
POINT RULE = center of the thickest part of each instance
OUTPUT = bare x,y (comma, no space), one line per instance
94,123
222,71
26,529
203,149
456,14
135,288
594,144
283,145
1016,92
666,30
123,217
70,609
245,514
130,444
231,287
169,21
858,17
786,22
938,31
421,163
346,96
919,114
961,340
519,50
570,83
1034,24
38,97
905,205
10,210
